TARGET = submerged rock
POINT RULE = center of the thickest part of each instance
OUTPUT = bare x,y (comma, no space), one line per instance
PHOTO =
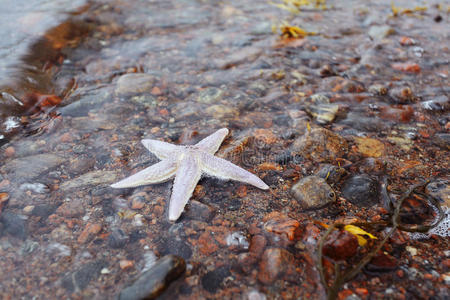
14,224
332,174
212,280
134,83
274,263
361,190
30,167
153,282
313,192
320,145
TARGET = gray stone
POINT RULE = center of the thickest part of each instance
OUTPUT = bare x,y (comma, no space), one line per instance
332,174
313,192
153,282
117,239
14,224
30,167
90,178
199,211
135,83
361,190
80,279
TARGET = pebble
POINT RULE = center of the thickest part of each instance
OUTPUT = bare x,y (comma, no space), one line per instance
196,210
238,240
332,174
313,192
369,147
340,245
212,280
80,279
28,168
274,263
281,224
80,165
134,83
176,247
320,145
125,264
439,189
150,284
361,190
89,232
43,210
71,208
14,224
117,239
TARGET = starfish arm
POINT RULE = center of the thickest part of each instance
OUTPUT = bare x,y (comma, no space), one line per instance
212,143
187,177
223,169
156,173
162,150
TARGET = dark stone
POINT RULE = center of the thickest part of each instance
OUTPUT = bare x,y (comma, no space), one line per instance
80,279
117,239
283,158
176,247
415,211
153,282
212,280
234,204
14,224
332,174
199,211
87,103
43,210
136,235
361,190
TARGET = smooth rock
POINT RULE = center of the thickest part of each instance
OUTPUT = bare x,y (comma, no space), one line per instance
153,282
275,262
134,83
212,280
313,192
199,211
27,168
361,190
176,247
43,210
320,145
90,178
117,239
340,245
14,224
80,279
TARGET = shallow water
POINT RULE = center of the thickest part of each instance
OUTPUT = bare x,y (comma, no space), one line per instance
85,83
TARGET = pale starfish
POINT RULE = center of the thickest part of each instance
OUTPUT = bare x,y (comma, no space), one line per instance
188,164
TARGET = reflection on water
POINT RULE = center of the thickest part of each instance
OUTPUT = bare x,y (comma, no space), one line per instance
32,35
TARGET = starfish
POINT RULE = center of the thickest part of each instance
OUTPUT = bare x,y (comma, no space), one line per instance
188,164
